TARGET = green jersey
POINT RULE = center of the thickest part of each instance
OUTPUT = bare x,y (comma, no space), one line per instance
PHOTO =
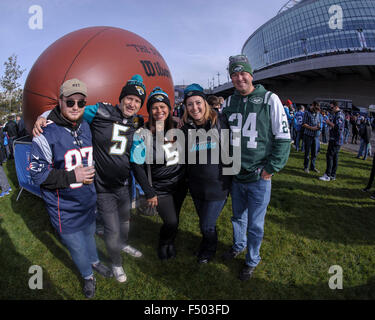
264,133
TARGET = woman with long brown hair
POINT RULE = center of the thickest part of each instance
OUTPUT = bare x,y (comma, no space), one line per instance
208,186
168,178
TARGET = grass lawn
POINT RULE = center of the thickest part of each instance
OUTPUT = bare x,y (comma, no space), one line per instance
310,226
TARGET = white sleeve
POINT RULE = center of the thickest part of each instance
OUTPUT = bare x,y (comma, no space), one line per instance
279,120
45,114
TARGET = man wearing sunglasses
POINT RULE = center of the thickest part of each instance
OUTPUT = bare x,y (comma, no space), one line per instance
113,129
66,185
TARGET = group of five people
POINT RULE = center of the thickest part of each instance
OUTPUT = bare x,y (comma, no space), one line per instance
82,157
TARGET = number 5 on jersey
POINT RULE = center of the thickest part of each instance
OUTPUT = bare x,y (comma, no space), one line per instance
121,141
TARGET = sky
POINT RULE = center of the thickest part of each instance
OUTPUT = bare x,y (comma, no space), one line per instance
195,37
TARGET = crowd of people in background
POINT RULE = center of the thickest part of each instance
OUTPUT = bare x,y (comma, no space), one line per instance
14,128
312,125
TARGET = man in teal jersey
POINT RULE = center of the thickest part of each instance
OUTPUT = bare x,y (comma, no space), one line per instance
265,145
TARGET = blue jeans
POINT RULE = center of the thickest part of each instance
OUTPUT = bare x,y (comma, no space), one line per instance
114,207
332,158
4,184
317,143
363,147
310,145
346,135
299,137
82,248
208,212
324,134
249,205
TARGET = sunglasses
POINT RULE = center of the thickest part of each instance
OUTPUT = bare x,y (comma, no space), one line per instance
71,103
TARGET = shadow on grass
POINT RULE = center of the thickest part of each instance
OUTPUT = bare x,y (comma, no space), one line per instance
38,222
183,278
347,219
12,176
14,279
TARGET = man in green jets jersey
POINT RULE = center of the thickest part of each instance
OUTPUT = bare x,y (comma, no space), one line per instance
259,117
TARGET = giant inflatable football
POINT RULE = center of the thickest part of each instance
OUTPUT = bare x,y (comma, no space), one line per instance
102,57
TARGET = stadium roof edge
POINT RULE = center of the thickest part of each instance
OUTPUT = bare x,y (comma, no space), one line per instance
296,2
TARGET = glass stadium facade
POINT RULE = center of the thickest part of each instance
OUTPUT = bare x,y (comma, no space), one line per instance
306,29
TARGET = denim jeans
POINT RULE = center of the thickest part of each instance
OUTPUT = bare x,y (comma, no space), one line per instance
208,212
324,134
363,148
310,145
4,184
317,144
115,210
82,248
299,137
249,205
332,158
346,135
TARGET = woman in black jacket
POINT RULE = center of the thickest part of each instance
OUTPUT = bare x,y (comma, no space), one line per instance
168,174
208,186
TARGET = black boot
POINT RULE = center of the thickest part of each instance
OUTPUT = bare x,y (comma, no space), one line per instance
171,251
207,247
163,252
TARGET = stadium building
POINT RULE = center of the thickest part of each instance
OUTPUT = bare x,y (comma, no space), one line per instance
316,49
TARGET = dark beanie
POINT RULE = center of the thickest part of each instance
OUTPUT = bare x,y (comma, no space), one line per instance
157,95
239,63
193,90
135,87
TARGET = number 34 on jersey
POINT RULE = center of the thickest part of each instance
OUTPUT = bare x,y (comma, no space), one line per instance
248,129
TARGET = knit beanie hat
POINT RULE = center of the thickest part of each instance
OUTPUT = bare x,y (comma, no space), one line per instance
193,90
135,87
239,63
157,95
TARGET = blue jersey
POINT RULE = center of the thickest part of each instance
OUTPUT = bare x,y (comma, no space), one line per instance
73,208
337,132
320,124
298,119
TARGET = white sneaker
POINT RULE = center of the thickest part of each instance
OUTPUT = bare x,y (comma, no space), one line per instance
132,251
325,178
119,274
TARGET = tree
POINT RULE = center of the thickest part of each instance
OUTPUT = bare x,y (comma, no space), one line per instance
8,81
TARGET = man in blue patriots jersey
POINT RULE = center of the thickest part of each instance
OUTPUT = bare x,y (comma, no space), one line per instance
66,186
113,131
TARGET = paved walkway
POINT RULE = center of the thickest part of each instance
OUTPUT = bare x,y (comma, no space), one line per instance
355,147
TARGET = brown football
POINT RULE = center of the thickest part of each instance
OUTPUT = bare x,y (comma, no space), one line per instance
102,57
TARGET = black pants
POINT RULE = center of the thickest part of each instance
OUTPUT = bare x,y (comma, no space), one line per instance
355,137
372,175
310,145
332,158
115,211
10,145
169,207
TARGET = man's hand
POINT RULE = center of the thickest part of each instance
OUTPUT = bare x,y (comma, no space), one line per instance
39,123
265,175
84,174
331,124
153,202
